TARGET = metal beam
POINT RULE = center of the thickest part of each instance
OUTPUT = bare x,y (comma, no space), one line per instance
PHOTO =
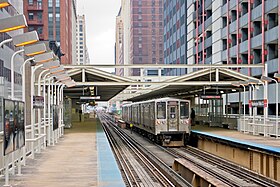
162,66
189,83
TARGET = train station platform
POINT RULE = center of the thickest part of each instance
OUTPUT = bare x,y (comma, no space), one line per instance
83,158
268,144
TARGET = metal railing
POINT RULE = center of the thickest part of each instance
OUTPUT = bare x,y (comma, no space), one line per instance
257,125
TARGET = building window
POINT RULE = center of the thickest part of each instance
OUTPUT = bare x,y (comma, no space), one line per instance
30,29
80,28
57,17
30,2
40,30
30,15
57,2
39,16
50,17
50,3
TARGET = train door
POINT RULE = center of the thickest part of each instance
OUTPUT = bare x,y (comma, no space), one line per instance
172,116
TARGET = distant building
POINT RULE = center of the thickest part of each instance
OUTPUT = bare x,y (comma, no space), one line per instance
175,35
141,24
119,46
224,32
53,20
82,55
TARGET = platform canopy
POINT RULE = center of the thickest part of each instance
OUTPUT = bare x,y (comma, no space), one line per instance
208,81
89,83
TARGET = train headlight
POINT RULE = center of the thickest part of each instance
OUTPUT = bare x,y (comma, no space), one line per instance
158,122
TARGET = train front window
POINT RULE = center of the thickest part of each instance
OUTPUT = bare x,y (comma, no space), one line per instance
161,110
184,110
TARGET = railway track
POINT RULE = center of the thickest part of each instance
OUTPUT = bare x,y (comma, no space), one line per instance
123,146
228,173
234,169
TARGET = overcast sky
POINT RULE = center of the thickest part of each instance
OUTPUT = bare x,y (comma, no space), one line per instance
100,18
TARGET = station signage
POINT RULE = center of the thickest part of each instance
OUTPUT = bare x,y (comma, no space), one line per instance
258,103
210,97
89,97
38,102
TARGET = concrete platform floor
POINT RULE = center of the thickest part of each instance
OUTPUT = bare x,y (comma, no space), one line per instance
269,141
73,162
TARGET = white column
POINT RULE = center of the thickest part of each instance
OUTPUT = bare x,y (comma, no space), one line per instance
49,112
45,108
33,71
13,74
39,110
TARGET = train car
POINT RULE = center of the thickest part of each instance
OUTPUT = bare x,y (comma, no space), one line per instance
165,121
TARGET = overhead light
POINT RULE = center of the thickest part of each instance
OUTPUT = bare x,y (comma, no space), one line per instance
234,90
64,79
51,64
221,91
12,23
4,3
244,83
266,79
251,81
56,70
277,75
25,38
45,57
35,49
57,73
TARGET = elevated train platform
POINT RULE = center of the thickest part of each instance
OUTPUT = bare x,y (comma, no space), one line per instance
268,144
83,158
257,153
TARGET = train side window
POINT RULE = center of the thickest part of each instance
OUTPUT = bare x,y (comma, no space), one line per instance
184,110
161,110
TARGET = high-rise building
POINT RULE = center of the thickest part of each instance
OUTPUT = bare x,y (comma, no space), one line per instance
53,21
141,26
119,45
74,32
146,34
225,32
82,53
175,34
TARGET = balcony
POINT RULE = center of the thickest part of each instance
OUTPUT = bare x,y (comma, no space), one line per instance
272,65
35,22
35,6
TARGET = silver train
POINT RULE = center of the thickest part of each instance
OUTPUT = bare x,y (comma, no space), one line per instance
165,121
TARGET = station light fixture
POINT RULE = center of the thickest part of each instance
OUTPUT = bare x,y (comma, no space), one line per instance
45,57
51,64
237,84
277,75
244,83
61,76
57,73
62,79
4,3
12,23
251,81
57,70
25,38
35,49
